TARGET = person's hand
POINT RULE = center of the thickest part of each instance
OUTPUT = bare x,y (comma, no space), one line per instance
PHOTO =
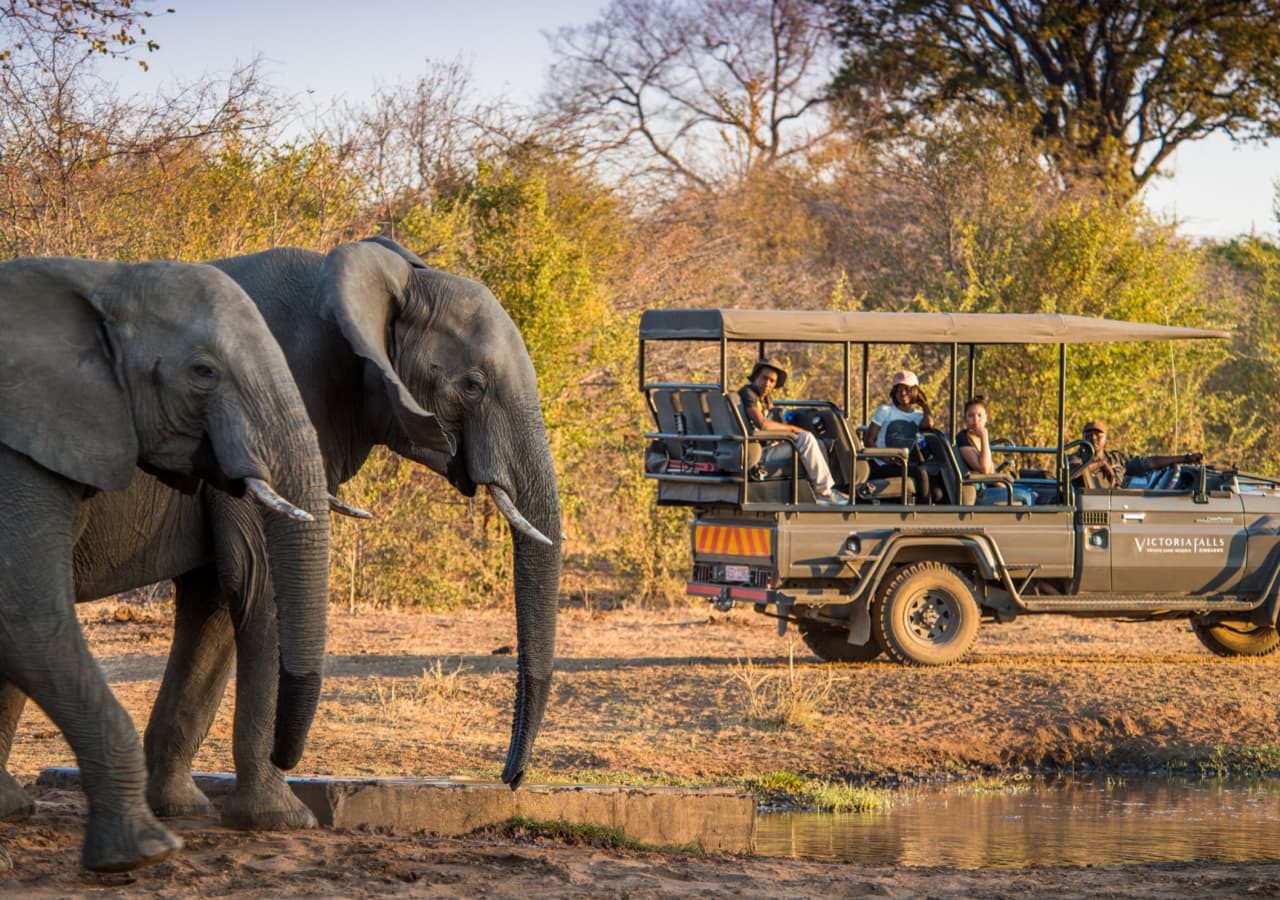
982,432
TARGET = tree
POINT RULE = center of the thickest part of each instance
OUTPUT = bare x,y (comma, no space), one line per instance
699,93
106,27
1112,88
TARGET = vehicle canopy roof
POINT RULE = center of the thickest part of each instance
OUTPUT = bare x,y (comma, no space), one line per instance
820,326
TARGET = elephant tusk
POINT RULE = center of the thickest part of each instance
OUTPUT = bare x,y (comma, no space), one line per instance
347,509
264,494
518,522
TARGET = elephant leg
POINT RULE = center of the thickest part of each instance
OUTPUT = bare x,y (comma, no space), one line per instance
262,799
45,656
194,680
14,802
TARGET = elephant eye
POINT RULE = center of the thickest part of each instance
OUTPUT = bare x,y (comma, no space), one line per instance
204,372
473,385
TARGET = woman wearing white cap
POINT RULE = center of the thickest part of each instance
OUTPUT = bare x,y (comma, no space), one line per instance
896,424
906,396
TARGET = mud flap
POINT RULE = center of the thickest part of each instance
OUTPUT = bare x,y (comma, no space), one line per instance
860,622
784,610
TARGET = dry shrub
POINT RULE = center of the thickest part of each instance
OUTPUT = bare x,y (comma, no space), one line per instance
782,701
438,692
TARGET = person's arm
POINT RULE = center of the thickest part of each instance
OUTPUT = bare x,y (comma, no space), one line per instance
978,458
764,423
1080,469
926,419
1145,465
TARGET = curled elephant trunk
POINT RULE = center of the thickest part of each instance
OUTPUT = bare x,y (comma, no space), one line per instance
536,551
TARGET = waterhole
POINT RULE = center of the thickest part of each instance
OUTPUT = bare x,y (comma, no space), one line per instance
1058,823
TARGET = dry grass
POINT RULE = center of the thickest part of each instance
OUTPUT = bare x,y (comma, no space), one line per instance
437,692
782,700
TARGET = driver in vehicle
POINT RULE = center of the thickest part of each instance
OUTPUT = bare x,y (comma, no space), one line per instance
1107,469
757,404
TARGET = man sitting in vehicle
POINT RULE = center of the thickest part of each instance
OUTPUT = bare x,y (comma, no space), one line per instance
1107,469
757,404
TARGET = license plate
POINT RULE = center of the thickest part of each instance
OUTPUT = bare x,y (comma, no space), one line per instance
737,573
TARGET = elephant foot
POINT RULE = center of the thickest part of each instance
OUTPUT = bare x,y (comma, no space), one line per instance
118,843
266,806
15,805
174,796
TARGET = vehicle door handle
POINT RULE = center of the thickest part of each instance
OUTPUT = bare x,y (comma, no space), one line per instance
1133,517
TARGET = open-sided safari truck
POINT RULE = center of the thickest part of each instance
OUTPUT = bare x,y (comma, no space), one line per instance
913,577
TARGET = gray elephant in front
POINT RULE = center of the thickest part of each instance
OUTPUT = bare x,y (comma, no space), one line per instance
104,367
385,350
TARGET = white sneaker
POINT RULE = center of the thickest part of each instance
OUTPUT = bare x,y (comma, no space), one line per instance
835,498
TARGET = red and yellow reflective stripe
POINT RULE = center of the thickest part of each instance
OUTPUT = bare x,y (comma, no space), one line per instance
728,540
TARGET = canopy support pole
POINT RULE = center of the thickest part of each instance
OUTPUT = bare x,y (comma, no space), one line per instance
1062,409
951,422
866,382
973,371
848,378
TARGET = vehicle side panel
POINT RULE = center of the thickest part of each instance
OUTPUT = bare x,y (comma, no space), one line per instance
1164,542
1027,537
1262,525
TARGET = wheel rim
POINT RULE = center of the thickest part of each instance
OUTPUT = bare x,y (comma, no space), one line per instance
931,617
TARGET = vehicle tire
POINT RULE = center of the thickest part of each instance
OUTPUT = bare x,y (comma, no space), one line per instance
831,644
1237,638
927,615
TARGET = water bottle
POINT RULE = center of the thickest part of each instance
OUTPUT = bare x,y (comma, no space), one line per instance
788,415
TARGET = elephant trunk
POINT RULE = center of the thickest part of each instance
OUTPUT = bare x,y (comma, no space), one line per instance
537,588
283,471
299,563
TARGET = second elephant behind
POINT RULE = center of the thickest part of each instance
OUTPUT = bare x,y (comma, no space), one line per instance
385,351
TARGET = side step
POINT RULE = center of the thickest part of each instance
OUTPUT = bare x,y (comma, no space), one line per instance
1138,603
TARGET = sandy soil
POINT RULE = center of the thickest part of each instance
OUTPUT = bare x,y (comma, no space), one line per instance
685,695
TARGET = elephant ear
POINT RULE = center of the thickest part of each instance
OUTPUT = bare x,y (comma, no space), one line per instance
63,400
362,284
413,259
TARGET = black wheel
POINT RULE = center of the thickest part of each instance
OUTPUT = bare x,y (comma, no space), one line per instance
1237,638
831,644
927,616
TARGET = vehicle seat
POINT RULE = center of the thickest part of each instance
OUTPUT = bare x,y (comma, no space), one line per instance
862,485
728,453
664,406
959,491
960,484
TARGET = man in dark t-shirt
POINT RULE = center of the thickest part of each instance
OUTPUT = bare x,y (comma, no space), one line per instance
757,403
1107,469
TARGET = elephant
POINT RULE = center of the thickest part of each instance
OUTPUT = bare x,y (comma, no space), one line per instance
385,351
106,367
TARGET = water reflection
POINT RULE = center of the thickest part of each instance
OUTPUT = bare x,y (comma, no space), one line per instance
1061,823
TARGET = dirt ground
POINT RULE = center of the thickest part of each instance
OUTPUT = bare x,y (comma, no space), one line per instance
679,695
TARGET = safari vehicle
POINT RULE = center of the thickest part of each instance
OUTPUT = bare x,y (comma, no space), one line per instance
895,574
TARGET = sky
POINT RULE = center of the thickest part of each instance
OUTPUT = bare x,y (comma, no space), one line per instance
329,51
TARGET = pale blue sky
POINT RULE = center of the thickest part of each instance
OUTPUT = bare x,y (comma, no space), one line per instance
342,51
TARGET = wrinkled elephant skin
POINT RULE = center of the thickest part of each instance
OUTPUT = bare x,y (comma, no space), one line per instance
105,367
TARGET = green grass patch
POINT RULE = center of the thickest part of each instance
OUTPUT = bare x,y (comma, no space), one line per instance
992,784
793,789
1263,759
576,834
781,788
